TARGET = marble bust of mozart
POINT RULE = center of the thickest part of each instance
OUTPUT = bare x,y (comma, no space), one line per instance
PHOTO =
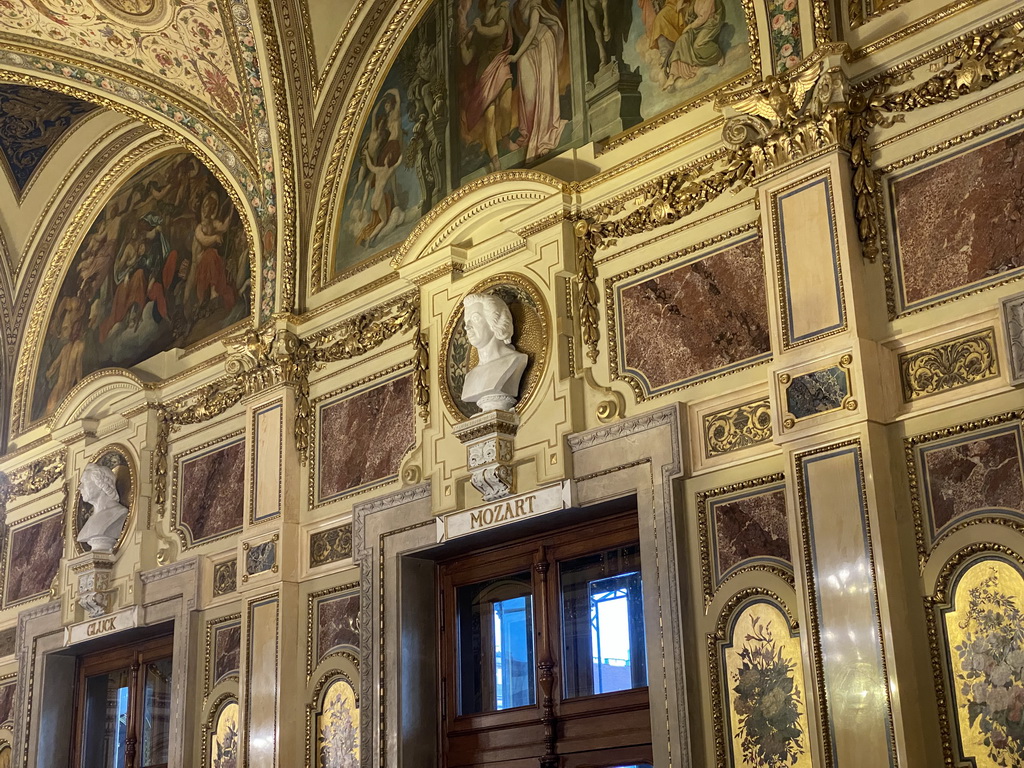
494,383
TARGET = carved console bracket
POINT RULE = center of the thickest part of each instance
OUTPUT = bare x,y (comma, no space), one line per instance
489,439
93,571
259,359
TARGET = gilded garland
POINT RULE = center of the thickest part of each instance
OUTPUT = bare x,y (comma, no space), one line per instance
807,111
259,359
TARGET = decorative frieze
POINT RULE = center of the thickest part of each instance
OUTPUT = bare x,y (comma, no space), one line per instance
225,577
330,546
950,365
736,428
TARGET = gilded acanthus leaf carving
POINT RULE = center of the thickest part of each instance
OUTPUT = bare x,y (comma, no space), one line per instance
258,359
27,480
977,62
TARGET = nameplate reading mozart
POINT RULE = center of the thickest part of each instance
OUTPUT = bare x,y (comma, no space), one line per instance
104,625
504,511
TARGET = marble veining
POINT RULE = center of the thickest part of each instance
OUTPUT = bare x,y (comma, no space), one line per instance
337,624
695,319
7,702
974,475
363,438
226,651
961,221
213,492
750,527
817,392
35,555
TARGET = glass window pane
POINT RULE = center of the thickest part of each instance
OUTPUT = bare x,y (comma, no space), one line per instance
495,633
603,623
156,713
106,720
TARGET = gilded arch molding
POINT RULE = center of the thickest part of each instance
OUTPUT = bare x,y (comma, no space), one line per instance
61,250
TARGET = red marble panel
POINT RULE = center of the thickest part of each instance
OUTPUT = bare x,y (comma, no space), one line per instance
226,651
698,318
7,703
213,492
363,438
751,527
961,221
337,624
974,475
36,550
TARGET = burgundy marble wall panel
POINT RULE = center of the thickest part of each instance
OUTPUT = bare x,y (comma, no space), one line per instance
974,475
363,438
751,527
213,492
226,651
35,552
7,702
689,321
337,624
960,221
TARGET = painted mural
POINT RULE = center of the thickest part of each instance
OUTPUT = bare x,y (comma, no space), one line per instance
767,717
784,21
182,42
985,650
337,727
32,121
400,169
960,221
513,83
224,746
165,264
486,85
681,48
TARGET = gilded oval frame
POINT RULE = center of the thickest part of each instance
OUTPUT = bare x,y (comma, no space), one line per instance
127,487
532,337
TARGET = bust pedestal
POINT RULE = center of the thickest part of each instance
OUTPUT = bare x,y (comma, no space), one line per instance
489,438
93,570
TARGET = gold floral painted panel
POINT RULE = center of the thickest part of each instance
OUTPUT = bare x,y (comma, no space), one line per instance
224,745
984,628
766,713
337,727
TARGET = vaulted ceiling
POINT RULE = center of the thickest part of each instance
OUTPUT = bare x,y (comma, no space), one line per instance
260,90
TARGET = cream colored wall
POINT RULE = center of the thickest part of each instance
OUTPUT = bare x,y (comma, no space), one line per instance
520,225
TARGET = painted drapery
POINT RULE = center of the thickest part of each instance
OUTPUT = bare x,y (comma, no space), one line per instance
165,264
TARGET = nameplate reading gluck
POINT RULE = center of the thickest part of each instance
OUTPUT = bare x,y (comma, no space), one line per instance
104,625
504,511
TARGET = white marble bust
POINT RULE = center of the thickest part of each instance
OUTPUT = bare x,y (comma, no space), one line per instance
494,383
99,488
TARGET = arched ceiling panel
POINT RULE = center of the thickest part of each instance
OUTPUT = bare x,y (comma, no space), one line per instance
32,123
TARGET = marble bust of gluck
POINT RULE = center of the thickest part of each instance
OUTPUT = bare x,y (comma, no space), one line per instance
99,488
494,383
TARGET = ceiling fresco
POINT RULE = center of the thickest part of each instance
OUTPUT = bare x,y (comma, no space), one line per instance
181,44
165,264
32,122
